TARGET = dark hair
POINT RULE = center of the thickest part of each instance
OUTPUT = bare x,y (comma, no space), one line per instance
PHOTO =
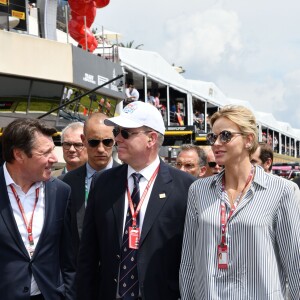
201,153
20,134
266,152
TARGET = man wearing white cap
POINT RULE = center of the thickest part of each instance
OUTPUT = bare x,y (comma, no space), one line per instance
133,228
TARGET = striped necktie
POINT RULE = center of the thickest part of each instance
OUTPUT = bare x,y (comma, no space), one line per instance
128,281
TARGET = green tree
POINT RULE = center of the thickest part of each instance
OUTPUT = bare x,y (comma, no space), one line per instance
130,45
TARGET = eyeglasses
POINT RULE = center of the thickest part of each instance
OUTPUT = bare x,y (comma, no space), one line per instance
106,142
187,166
77,146
225,136
212,164
126,134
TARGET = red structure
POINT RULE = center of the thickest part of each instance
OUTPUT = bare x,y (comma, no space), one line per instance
80,9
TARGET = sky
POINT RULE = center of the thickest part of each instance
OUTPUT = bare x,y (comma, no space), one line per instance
249,49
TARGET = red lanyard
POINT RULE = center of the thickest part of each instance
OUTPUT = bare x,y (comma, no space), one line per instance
224,221
28,225
134,213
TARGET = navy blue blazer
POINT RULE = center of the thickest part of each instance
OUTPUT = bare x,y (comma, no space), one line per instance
52,264
161,238
76,180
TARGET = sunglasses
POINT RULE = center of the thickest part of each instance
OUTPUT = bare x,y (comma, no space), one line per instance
77,146
212,164
106,142
187,166
225,136
126,134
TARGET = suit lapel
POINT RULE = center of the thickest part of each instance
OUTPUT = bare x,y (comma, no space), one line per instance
118,206
79,198
160,193
50,196
8,216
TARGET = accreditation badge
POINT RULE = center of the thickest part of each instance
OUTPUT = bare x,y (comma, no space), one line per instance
222,256
30,250
134,237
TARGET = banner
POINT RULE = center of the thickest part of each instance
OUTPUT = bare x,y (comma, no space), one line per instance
90,71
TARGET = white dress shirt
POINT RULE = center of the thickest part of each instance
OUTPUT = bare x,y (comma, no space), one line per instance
147,174
263,241
27,200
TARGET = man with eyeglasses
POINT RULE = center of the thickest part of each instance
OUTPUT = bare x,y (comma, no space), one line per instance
98,140
212,167
191,159
74,151
133,228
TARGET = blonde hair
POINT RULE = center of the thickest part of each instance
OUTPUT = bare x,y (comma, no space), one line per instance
243,118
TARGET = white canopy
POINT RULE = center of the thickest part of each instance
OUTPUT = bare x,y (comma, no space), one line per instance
153,65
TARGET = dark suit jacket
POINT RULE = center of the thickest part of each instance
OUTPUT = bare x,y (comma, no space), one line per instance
297,180
76,180
161,238
53,259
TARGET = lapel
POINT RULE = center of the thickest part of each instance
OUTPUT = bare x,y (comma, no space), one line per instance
115,164
50,203
7,215
78,194
118,206
161,192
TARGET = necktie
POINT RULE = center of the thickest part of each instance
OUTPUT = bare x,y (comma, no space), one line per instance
128,282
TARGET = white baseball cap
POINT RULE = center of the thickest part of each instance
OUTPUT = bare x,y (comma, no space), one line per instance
138,114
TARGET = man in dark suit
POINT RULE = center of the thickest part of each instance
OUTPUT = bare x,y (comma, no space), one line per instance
98,140
36,260
297,180
135,217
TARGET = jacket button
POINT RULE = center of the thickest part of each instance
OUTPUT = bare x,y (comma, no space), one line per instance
118,256
25,289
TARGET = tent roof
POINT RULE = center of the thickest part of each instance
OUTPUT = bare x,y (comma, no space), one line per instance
268,120
209,91
156,67
153,65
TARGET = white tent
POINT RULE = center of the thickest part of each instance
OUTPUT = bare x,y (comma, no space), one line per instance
209,91
153,65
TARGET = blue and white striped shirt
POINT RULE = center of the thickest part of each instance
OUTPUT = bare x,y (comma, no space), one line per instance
263,238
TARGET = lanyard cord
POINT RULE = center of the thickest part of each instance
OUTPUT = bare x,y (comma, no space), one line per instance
27,225
224,220
135,213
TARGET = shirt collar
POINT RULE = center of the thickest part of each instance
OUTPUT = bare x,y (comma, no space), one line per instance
9,180
259,177
146,172
90,171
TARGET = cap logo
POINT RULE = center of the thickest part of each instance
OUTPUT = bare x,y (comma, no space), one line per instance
130,108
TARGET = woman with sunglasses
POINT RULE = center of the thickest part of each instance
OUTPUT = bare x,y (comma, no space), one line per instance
242,237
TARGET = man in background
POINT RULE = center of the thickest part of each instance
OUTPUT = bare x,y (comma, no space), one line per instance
263,157
212,167
36,258
150,99
74,151
191,159
132,93
98,139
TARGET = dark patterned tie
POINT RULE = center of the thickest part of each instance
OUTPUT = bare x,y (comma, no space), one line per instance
128,282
